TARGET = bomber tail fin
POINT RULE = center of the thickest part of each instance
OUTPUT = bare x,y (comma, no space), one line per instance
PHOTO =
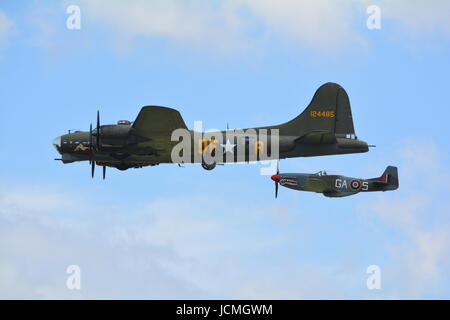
328,112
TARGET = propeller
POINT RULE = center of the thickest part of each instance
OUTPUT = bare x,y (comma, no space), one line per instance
276,178
92,168
104,172
91,152
97,145
276,182
98,130
90,143
276,189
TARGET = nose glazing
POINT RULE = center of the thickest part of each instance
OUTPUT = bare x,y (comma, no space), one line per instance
57,142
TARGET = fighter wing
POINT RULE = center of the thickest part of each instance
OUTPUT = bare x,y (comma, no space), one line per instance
318,137
317,185
157,121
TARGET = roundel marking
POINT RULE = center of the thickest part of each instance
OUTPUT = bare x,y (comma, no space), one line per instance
355,184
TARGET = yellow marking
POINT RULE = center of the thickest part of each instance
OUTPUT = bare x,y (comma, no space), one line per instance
322,114
259,146
207,145
81,147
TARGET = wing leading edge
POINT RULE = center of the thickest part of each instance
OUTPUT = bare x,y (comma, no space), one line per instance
157,121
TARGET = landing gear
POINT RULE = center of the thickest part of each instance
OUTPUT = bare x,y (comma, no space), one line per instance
209,166
123,167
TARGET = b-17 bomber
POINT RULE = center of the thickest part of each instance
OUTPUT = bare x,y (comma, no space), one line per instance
335,186
160,135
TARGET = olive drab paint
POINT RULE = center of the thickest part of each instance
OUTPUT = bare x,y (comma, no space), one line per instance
160,135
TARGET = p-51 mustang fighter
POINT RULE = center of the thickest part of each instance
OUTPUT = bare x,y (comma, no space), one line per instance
335,186
159,135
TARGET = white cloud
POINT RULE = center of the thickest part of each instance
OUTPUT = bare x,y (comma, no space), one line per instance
168,248
179,247
240,25
192,23
320,24
194,246
231,26
31,201
36,248
419,214
418,18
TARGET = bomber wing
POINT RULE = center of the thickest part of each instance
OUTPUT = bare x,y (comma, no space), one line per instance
153,127
157,121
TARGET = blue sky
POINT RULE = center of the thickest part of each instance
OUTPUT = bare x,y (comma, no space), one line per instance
169,232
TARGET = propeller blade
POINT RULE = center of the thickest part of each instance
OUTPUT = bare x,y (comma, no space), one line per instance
98,130
104,172
90,134
90,143
276,182
92,168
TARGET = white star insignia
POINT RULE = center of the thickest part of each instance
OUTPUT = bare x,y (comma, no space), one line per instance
228,147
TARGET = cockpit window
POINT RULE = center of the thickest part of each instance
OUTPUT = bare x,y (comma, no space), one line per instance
321,173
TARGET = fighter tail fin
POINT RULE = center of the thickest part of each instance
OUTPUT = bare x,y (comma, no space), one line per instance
328,112
389,178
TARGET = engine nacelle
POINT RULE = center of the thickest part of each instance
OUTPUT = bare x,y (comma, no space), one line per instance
114,131
114,135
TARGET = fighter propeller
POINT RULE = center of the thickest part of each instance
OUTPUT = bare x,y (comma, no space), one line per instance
276,178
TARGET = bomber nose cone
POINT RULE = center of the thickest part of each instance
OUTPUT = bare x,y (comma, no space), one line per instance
57,143
275,177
